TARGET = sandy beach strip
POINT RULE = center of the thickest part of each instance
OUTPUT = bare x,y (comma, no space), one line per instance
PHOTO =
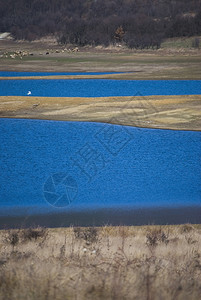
167,112
84,76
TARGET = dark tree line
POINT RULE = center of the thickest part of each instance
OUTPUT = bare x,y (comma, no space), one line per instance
137,23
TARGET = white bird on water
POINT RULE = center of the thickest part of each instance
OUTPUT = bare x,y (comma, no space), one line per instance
29,93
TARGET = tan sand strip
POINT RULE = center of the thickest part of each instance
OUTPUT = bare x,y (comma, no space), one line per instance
103,76
169,112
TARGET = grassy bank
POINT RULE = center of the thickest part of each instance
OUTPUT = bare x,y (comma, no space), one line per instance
165,63
148,262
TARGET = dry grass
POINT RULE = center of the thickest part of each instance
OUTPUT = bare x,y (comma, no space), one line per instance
173,112
148,262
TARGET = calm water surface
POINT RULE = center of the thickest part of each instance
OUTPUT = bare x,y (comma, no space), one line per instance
51,166
98,87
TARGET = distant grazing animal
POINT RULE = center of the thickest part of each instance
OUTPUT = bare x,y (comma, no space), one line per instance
35,105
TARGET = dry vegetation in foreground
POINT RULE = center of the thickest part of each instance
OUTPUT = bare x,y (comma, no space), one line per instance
149,262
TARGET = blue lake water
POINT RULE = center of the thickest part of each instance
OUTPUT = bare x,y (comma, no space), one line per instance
16,74
52,166
98,87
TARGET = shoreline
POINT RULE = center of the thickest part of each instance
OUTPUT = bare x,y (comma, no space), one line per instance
165,63
138,127
110,216
118,76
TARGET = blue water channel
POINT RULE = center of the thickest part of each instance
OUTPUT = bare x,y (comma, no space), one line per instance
21,74
98,87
